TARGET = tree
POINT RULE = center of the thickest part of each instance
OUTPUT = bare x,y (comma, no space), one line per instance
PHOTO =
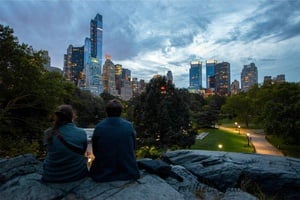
89,108
28,97
241,106
161,116
281,112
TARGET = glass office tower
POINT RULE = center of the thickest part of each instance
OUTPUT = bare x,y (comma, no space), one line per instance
97,38
93,56
222,77
210,74
249,77
195,75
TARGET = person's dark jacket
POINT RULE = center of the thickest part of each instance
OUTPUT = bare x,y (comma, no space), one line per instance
114,150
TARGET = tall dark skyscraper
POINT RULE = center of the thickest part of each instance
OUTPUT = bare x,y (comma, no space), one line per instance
170,77
210,74
222,78
82,65
93,56
96,38
196,75
249,77
73,64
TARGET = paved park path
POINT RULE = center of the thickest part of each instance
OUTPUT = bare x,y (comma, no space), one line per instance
262,146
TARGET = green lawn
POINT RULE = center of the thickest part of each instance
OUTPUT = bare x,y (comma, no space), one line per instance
230,142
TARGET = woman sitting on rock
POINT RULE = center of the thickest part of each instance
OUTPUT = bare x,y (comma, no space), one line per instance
66,145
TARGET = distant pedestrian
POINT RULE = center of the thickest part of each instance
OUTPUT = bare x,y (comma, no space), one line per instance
114,147
66,145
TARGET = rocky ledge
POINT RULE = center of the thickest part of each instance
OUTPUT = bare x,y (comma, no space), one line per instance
206,175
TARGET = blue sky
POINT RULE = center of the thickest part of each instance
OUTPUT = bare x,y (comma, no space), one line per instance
153,36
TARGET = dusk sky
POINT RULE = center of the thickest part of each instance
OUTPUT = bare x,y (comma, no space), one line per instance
153,36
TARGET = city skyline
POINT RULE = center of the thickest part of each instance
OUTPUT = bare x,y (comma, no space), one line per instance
153,37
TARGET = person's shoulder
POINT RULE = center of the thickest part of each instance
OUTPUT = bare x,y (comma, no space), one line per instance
126,122
80,130
103,121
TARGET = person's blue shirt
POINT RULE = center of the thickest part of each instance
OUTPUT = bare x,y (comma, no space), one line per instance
114,150
62,164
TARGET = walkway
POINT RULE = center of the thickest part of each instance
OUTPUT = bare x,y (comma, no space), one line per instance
262,146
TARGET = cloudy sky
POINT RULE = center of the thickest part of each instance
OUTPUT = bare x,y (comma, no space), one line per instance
153,36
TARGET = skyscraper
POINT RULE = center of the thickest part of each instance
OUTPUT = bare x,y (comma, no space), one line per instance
210,74
222,78
73,64
118,77
135,86
249,77
235,87
195,75
108,77
96,32
126,74
126,89
92,58
170,77
82,65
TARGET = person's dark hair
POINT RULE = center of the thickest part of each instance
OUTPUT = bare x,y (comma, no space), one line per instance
63,115
113,108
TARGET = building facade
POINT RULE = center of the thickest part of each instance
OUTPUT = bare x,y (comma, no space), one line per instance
210,74
195,73
73,64
222,79
169,77
118,77
126,87
235,87
109,77
249,77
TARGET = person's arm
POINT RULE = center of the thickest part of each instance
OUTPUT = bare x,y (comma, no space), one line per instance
134,138
46,136
94,144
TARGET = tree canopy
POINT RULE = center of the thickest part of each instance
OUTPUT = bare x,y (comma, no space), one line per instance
161,116
275,107
30,94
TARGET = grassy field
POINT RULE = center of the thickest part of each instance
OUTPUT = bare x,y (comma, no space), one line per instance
230,142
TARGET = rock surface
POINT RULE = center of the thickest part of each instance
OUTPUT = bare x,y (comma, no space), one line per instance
206,175
275,176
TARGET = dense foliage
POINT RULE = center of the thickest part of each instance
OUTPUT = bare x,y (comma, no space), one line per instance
161,116
30,94
275,107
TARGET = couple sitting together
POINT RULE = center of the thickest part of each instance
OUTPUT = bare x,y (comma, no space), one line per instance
113,147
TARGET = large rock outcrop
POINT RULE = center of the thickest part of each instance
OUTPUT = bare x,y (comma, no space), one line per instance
274,176
206,175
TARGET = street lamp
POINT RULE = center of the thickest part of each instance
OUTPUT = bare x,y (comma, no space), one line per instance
239,129
235,123
220,146
248,138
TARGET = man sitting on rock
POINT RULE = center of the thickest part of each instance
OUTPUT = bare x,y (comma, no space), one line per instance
114,147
